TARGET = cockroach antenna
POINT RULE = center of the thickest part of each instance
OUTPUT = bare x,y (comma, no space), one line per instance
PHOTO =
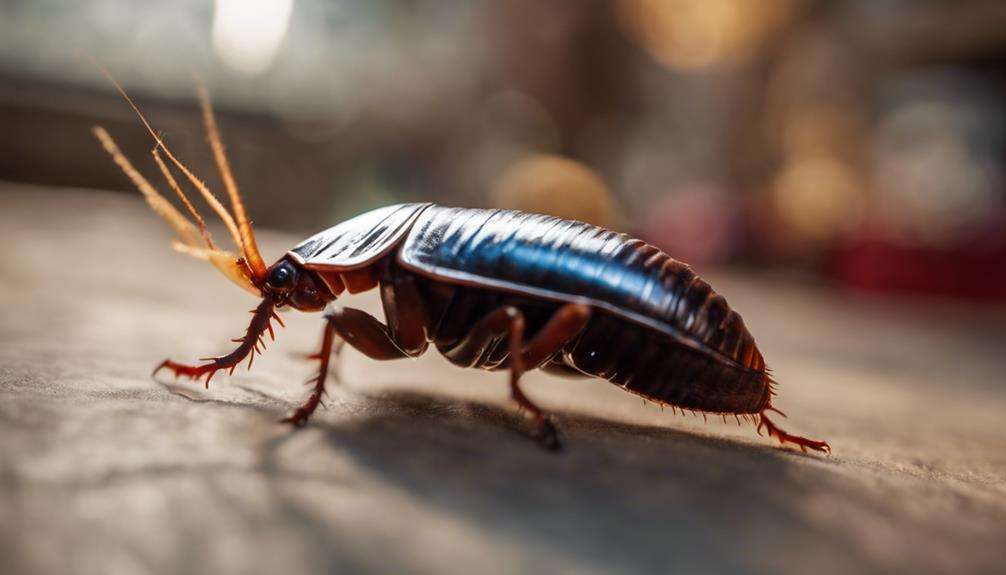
250,247
173,184
239,269
186,232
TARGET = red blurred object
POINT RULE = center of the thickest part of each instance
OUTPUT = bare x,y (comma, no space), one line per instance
696,223
971,270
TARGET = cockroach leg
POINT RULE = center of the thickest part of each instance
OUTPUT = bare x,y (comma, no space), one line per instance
250,345
362,331
564,324
546,433
329,346
802,442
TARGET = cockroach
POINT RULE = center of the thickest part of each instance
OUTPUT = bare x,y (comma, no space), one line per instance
490,289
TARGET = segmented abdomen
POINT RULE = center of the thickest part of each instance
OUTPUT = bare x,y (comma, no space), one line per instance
660,330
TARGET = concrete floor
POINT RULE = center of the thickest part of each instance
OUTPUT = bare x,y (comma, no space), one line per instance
416,466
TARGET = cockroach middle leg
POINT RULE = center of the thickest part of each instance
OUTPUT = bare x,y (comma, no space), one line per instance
564,324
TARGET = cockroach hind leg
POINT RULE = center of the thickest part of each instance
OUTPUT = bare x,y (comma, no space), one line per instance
802,442
547,435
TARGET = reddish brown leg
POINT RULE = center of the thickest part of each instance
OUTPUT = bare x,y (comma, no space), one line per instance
362,331
404,336
329,346
802,442
253,342
566,323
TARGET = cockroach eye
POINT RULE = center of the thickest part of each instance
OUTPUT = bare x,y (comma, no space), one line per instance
281,277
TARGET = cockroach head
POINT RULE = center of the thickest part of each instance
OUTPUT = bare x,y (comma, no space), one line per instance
290,284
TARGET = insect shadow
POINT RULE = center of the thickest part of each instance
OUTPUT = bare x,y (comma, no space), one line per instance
621,496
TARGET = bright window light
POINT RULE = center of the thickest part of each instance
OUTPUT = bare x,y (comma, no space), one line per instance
248,33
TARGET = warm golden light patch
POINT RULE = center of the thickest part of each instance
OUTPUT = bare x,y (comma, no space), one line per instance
695,34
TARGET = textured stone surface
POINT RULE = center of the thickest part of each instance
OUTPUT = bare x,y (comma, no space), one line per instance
415,466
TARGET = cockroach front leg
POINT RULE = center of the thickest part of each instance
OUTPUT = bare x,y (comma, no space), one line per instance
403,336
253,342
329,346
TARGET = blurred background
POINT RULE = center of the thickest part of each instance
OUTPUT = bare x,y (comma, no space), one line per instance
859,143
835,168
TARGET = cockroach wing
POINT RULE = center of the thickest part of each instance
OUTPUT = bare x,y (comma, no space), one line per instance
359,241
568,261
